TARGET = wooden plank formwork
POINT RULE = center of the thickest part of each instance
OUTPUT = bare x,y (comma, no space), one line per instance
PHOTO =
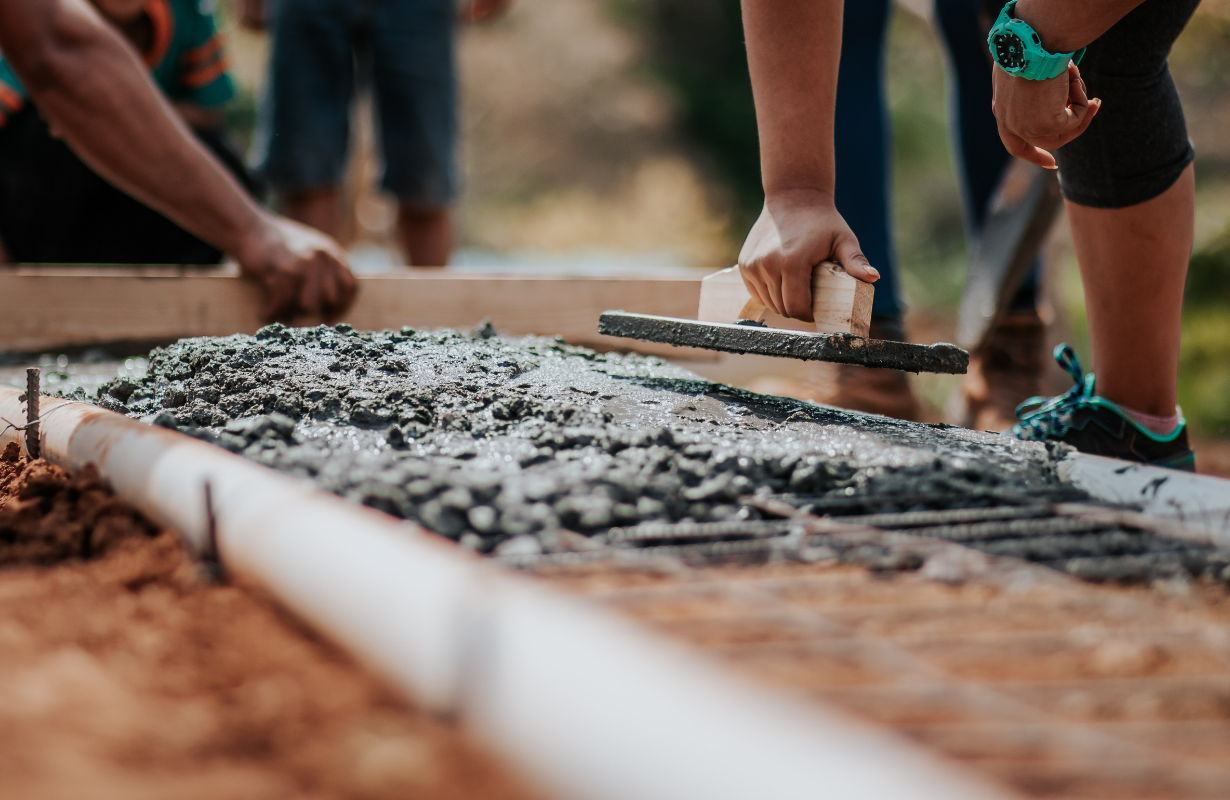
47,308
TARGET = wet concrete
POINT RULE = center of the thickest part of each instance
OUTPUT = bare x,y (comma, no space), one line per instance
495,437
515,445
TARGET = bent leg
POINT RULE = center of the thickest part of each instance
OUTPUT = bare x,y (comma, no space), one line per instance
426,235
315,207
1129,186
305,117
1130,194
416,94
1133,264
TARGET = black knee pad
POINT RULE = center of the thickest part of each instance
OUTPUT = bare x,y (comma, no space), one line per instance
1137,145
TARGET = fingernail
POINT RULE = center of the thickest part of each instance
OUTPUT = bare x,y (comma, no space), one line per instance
875,273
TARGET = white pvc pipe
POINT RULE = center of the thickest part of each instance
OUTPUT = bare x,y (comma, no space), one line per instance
1200,501
584,702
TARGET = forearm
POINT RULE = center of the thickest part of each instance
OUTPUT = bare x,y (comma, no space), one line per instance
1066,26
793,52
97,96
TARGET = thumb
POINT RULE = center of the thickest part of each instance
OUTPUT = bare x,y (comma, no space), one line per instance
850,256
1090,111
1078,119
1077,91
1076,110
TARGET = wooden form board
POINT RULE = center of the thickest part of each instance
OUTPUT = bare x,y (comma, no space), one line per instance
53,307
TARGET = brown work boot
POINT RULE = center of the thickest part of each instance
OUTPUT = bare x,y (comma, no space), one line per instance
1003,373
875,391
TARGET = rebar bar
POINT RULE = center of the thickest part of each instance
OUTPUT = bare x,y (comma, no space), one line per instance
917,519
32,389
1012,529
876,503
748,528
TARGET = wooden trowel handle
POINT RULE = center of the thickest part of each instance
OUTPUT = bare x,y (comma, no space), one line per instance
753,310
840,302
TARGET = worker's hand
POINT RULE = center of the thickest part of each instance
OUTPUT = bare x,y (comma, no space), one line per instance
1037,116
797,230
301,270
253,14
477,11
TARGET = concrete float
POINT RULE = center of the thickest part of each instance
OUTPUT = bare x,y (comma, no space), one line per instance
587,704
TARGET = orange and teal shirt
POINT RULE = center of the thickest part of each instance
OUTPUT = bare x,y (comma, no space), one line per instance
186,58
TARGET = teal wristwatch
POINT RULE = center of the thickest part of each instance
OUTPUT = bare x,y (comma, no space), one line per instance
1017,49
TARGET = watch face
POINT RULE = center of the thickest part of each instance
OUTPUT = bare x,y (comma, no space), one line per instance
1009,51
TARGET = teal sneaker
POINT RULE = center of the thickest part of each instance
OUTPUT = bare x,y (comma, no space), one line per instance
1095,425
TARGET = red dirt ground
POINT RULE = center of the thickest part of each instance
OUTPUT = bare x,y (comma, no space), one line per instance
124,673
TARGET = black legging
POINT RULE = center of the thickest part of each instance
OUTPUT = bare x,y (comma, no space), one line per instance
1137,145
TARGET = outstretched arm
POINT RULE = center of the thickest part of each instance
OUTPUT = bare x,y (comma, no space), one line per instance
1037,116
793,51
98,98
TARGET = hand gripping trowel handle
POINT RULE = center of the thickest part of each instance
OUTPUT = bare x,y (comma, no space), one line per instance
841,303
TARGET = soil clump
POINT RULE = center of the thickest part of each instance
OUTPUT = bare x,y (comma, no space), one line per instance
125,673
48,515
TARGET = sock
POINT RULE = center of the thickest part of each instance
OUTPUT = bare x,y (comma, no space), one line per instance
1161,426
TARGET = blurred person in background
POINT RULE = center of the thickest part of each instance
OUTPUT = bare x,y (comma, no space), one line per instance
98,97
55,209
1008,370
322,52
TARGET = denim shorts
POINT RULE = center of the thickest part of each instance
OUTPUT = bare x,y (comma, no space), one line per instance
324,49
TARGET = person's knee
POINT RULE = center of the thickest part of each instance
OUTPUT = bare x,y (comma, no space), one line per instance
423,215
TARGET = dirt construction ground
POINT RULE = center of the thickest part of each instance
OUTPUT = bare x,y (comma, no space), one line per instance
1049,686
131,674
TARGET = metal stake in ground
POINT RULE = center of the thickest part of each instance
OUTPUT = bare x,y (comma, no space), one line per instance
211,563
32,380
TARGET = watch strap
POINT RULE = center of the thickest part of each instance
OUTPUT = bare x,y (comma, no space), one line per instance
1044,66
1040,65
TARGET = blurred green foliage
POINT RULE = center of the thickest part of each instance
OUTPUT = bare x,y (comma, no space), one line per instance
1204,365
927,219
1208,277
241,118
697,51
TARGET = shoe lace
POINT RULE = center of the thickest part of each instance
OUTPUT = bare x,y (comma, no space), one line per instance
1043,417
